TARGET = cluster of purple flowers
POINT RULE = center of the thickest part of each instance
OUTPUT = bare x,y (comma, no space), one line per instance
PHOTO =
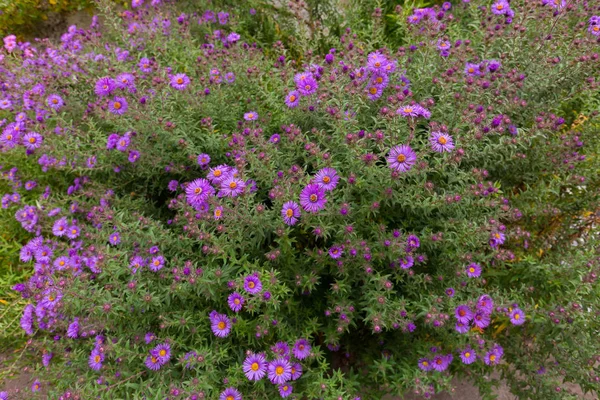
480,317
158,357
502,7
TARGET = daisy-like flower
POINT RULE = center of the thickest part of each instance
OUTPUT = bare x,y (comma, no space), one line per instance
594,25
5,104
374,92
114,238
301,349
285,390
408,111
472,69
152,362
335,252
404,82
251,116
401,158
461,328
145,65
125,81
312,198
95,360
198,191
517,317
255,367
463,314
220,324
36,386
468,356
230,77
481,319
500,7
406,262
281,348
252,284
73,329
290,212
440,362
492,358
73,232
32,140
180,81
203,160
473,270
162,352
292,99
280,371
497,239
218,213
296,371
412,242
118,105
376,62
217,174
275,138
380,80
306,84
231,187
133,156
441,142
485,303
449,292
425,364
327,178
156,263
105,86
230,393
235,301
55,102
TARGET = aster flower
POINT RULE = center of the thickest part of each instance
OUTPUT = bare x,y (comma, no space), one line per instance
281,349
485,303
500,7
440,362
335,252
279,371
95,360
235,301
55,102
481,319
463,314
217,174
118,105
105,86
5,104
376,62
301,349
408,111
125,81
122,143
461,328
517,317
292,99
285,390
473,270
114,238
220,324
32,140
145,65
27,319
73,329
157,263
374,92
231,187
198,191
312,198
203,160
449,292
275,138
296,371
404,82
472,69
251,116
497,239
492,358
255,367
425,364
468,356
401,158
252,284
162,352
133,156
406,262
180,81
230,393
152,362
229,77
290,212
594,25
306,84
441,142
218,213
36,386
327,178
73,232
412,242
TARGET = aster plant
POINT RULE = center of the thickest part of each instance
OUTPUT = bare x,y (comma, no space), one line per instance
213,208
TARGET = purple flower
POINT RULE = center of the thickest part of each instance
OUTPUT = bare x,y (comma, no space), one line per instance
220,324
450,292
292,99
145,65
231,187
218,213
162,352
485,304
497,239
290,212
408,111
152,362
133,156
73,329
312,198
285,390
401,158
440,362
441,142
60,227
468,356
104,86
251,116
481,319
180,81
280,371
306,84
27,319
114,238
125,81
118,105
425,364
492,357
517,317
32,140
473,270
203,160
500,7
255,367
198,191
301,349
54,101
461,328
235,301
412,242
36,386
296,371
374,92
96,359
122,143
327,178
406,262
252,284
275,138
463,314
230,393
335,252
157,263
376,63
472,69
73,232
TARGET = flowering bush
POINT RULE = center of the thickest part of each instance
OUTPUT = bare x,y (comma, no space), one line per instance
209,218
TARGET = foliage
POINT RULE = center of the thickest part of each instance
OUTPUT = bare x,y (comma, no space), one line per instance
383,197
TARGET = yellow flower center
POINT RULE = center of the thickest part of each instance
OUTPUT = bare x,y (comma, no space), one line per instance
61,263
462,313
230,398
438,361
197,190
379,79
467,354
279,370
9,136
285,388
408,110
162,353
497,235
54,101
493,357
97,359
154,359
313,197
179,81
471,270
236,301
425,364
251,285
232,185
326,179
73,231
117,105
250,115
254,366
31,140
378,64
307,87
401,158
373,90
289,213
517,316
217,173
499,6
218,213
221,325
292,98
442,140
51,297
471,69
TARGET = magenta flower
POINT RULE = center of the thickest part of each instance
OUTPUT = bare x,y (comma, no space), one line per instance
251,116
114,238
55,102
280,371
481,319
517,317
231,187
118,105
152,362
157,263
252,284
312,198
235,301
198,191
32,140
292,99
463,314
95,360
301,349
104,86
230,393
374,92
180,81
441,142
401,158
285,390
296,371
220,324
327,178
255,367
162,352
335,252
290,212
485,304
473,270
425,364
440,362
468,356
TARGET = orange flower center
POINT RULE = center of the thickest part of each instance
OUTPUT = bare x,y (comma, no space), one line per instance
373,90
326,179
117,105
289,213
467,354
197,190
179,81
251,285
401,158
279,370
254,366
97,359
162,353
442,140
232,185
313,197
292,98
221,325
